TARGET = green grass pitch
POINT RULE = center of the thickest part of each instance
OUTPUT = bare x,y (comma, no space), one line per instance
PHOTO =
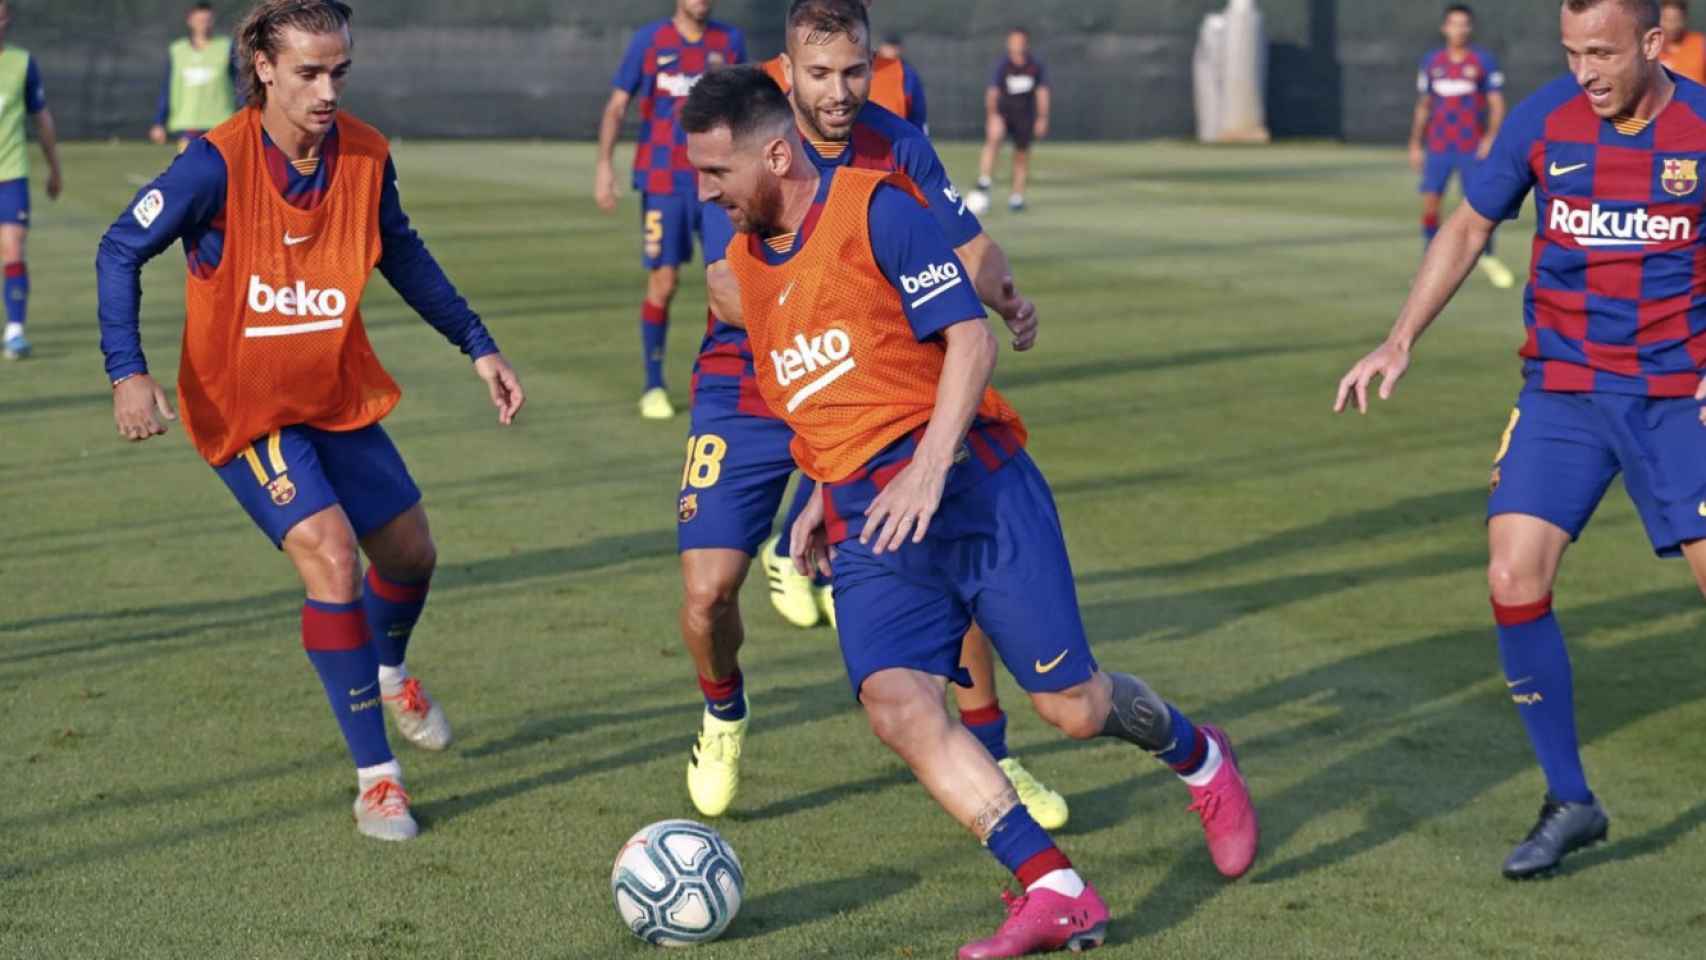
173,786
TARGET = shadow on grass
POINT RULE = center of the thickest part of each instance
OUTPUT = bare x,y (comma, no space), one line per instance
1646,844
805,903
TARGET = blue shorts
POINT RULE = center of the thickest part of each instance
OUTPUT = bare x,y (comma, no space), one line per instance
291,474
668,222
1562,450
732,484
996,553
1438,168
15,201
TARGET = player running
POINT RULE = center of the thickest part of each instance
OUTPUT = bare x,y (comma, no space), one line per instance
284,211
880,362
1612,362
738,459
1016,107
200,91
21,93
1685,49
664,60
1458,113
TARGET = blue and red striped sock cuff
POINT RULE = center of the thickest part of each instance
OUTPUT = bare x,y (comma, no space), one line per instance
653,314
982,716
392,592
16,270
333,626
1041,866
724,689
1516,615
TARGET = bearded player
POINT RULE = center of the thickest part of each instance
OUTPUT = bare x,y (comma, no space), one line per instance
1612,360
284,210
738,459
881,364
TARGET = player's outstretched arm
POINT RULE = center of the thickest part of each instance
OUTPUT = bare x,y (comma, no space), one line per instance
905,507
1449,260
609,128
992,278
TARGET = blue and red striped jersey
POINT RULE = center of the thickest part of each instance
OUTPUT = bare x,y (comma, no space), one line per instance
879,141
1457,92
1616,299
660,68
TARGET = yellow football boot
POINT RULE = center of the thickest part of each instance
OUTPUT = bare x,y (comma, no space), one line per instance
655,405
713,772
1046,807
1498,274
790,593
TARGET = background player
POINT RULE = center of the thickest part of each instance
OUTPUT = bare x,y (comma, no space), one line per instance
1016,107
201,82
1612,360
664,60
893,84
21,92
279,388
738,452
1685,49
926,534
1458,112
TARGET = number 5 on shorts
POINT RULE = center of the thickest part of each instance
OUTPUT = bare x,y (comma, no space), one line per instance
704,461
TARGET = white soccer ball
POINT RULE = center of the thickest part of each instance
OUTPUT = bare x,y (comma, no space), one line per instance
677,883
977,202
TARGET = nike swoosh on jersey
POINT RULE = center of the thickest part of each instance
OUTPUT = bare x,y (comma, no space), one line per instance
356,693
1558,171
291,241
783,299
1046,667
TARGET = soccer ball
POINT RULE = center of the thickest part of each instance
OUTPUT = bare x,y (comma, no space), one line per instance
677,883
977,202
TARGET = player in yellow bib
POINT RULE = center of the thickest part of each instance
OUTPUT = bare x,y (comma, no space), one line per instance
21,93
200,91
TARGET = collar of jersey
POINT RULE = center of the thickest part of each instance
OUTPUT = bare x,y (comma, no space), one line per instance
776,258
297,188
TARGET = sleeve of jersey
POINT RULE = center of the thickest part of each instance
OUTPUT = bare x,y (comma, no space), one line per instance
184,199
411,270
737,46
1493,78
163,111
35,93
631,73
916,258
917,158
1497,185
1042,74
918,111
716,230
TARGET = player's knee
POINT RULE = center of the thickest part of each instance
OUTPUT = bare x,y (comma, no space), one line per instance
661,285
1512,583
903,719
332,571
1076,712
710,596
415,563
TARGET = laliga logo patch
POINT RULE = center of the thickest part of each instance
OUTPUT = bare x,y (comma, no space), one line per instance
148,209
282,490
1680,177
688,509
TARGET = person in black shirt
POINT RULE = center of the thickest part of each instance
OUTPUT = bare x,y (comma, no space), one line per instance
1017,108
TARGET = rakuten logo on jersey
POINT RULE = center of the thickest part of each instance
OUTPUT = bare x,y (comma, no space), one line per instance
1599,227
678,84
326,306
937,280
823,359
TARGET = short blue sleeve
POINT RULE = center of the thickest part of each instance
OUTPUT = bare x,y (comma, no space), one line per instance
632,73
1492,76
1497,185
35,94
916,258
715,233
917,111
917,159
737,46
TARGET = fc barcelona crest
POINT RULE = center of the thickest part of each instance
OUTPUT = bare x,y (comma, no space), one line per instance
1681,177
282,490
689,508
715,58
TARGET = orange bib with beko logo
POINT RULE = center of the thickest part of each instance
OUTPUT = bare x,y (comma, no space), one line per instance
834,352
274,337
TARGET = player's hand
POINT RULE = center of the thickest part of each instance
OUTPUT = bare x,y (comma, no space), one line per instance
1041,130
54,184
808,541
504,385
140,408
604,187
1387,362
905,507
1019,314
1700,396
1485,148
1418,159
157,134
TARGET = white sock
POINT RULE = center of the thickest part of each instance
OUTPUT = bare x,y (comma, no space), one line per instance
984,183
1210,766
390,769
1016,199
13,330
1066,882
391,678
